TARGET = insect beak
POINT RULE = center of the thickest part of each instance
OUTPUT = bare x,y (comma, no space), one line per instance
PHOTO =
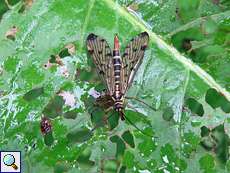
122,115
116,43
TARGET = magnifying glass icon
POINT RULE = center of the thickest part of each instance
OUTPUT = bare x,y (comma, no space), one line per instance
9,160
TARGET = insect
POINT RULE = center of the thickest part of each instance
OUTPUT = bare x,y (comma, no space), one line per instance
116,71
45,125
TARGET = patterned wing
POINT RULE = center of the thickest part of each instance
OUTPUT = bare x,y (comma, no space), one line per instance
132,58
101,53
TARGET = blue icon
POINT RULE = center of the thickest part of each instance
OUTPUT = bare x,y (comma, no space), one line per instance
9,160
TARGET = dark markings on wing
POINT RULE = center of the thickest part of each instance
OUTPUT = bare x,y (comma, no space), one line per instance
101,53
132,58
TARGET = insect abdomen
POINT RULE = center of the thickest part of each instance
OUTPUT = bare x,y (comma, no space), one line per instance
117,74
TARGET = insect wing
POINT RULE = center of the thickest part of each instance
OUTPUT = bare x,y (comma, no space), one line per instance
105,101
132,58
101,53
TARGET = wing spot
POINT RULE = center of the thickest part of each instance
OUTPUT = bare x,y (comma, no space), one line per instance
126,66
143,47
91,51
91,36
101,72
144,34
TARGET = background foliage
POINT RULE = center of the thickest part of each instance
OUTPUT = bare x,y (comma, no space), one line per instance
44,62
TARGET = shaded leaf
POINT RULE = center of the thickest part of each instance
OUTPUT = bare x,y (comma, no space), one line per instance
33,94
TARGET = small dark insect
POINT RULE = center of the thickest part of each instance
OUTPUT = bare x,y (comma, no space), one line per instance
45,125
117,72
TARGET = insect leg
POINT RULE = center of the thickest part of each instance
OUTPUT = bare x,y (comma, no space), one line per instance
141,101
133,124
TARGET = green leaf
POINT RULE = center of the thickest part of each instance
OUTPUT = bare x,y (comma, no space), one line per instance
165,80
79,135
49,139
120,145
207,162
33,94
128,159
195,106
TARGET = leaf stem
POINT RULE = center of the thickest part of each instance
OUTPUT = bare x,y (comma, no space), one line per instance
86,23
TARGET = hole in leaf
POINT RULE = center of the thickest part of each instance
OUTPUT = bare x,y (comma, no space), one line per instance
49,139
120,145
79,135
122,169
128,138
195,106
225,106
223,142
26,5
113,120
70,114
186,44
217,141
71,48
33,94
54,107
98,117
52,59
168,114
57,59
204,131
215,100
64,53
11,33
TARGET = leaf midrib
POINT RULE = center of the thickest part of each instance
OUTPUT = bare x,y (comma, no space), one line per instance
171,50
